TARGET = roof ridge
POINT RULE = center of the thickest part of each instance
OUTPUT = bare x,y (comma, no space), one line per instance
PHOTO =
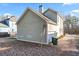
39,14
42,15
51,10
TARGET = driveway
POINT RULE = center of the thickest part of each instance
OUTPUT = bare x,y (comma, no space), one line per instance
69,45
66,47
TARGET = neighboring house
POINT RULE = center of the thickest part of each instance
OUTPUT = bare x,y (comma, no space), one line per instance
4,30
39,27
11,24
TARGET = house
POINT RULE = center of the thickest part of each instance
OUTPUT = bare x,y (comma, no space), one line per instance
13,26
4,30
39,27
10,22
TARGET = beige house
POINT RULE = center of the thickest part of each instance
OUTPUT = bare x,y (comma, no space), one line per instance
39,27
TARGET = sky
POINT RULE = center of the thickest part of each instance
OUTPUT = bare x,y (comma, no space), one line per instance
17,9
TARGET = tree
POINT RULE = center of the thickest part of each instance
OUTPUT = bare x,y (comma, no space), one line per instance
70,22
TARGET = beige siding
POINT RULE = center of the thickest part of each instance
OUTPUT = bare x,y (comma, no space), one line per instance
51,27
60,26
51,15
30,28
51,31
56,18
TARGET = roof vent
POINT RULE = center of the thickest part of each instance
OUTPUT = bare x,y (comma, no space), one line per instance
41,8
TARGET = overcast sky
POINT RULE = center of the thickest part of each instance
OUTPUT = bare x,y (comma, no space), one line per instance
18,8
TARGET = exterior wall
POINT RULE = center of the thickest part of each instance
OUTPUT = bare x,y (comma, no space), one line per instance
59,26
51,32
13,28
51,15
4,28
31,28
56,18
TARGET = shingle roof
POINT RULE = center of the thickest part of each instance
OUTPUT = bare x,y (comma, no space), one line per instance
5,22
54,11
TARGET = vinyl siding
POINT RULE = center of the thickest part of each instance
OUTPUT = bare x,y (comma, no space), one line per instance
60,26
30,28
52,32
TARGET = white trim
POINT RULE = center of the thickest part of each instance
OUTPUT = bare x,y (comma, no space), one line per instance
31,41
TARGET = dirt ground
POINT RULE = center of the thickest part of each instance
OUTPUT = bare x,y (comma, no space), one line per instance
20,48
67,46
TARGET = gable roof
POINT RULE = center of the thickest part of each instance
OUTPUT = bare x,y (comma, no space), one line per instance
5,21
50,10
54,12
37,13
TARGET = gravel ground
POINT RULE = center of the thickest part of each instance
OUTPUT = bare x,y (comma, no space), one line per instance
65,47
19,48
